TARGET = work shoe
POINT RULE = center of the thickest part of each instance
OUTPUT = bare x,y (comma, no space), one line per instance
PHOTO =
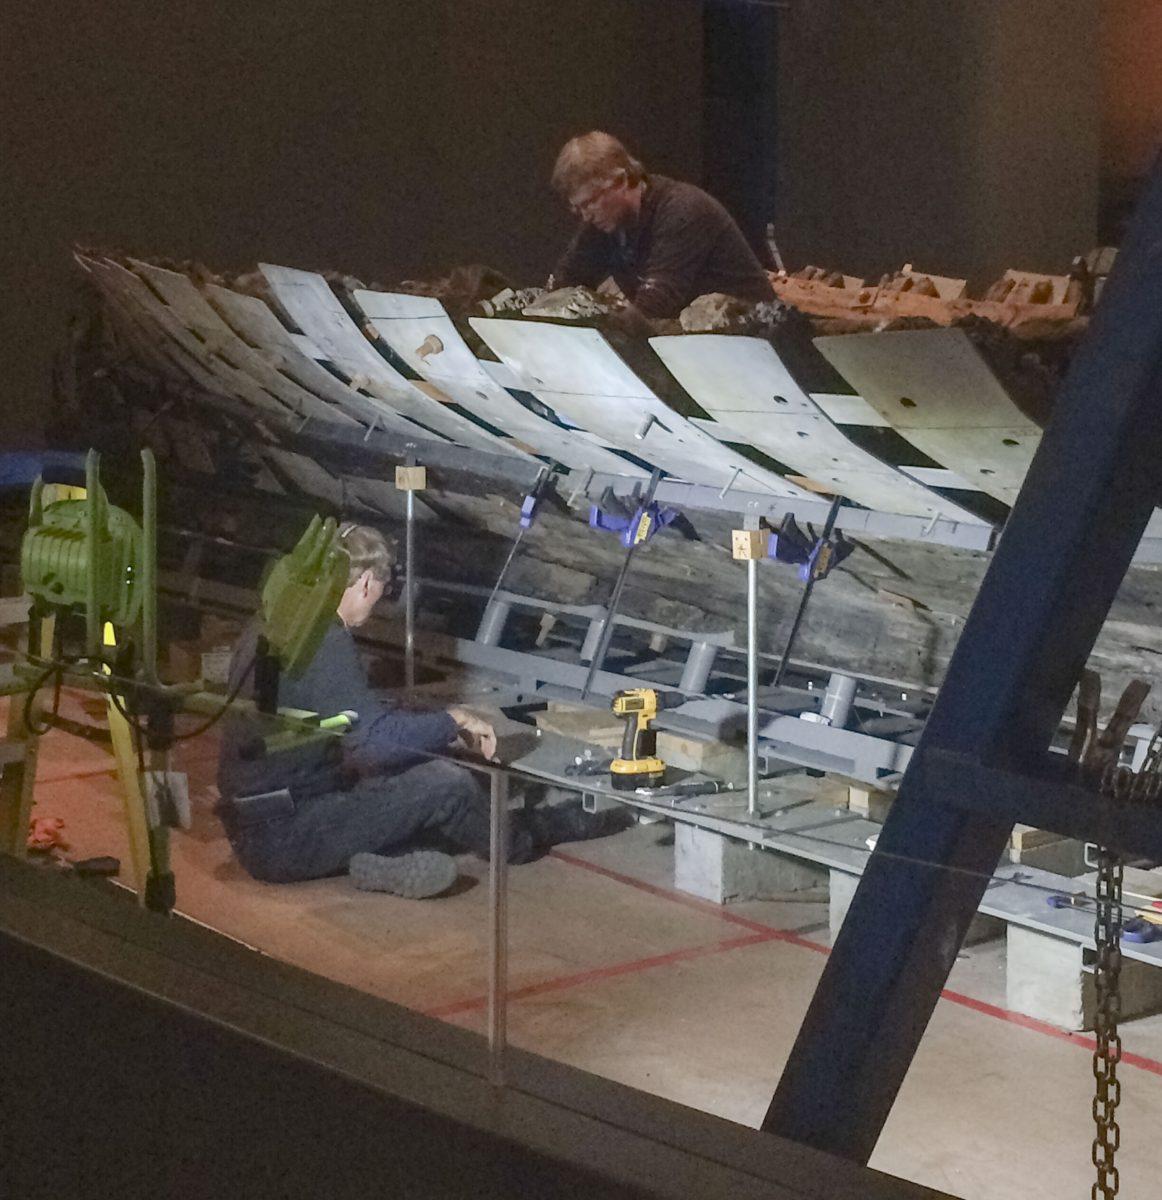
414,876
551,824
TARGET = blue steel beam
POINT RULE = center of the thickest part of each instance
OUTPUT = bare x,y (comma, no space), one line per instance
1060,561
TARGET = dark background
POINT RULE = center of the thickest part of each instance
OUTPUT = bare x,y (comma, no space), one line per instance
402,139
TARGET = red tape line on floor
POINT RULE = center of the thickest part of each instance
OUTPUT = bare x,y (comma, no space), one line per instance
704,906
759,933
625,968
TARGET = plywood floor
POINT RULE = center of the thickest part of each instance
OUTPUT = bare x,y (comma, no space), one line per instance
614,972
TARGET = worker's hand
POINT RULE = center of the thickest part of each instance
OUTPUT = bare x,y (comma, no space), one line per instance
633,321
476,734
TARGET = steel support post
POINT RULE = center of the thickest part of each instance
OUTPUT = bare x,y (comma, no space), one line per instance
1069,540
410,479
752,687
409,594
696,671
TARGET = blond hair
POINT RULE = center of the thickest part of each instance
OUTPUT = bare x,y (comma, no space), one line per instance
592,157
368,550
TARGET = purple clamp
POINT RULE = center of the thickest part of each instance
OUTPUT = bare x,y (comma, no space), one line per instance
634,530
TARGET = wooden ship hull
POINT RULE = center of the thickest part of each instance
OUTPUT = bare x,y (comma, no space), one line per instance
270,396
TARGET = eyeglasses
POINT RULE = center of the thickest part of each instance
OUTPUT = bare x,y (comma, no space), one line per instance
580,205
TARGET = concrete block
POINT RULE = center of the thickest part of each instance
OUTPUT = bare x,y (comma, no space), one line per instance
1051,978
721,869
841,889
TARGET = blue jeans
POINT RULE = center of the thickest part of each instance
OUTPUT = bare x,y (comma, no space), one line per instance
436,804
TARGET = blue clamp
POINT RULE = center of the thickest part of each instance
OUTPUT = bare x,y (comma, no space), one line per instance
528,509
815,558
634,530
531,504
1138,930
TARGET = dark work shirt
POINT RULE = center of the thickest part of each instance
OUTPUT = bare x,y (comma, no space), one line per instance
683,245
384,739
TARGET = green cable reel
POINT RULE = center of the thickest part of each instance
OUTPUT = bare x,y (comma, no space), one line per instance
89,555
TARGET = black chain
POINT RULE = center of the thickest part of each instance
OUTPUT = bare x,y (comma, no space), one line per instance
1107,1053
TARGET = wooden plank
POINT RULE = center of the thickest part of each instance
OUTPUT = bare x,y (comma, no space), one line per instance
575,371
319,314
207,370
150,346
192,308
295,354
420,331
935,389
743,382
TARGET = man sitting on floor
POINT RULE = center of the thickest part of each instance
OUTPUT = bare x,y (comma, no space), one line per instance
371,802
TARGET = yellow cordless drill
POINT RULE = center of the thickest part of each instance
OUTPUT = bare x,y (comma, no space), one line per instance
639,764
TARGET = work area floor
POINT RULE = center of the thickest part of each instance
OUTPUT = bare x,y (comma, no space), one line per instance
614,972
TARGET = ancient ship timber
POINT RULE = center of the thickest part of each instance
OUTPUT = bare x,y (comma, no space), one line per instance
287,390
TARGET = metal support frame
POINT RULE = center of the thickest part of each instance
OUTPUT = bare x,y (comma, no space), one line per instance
1069,541
873,758
752,686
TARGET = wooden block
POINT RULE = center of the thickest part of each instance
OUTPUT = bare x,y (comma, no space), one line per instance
946,287
811,485
1045,850
691,754
586,724
1025,837
746,544
870,803
185,662
411,479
